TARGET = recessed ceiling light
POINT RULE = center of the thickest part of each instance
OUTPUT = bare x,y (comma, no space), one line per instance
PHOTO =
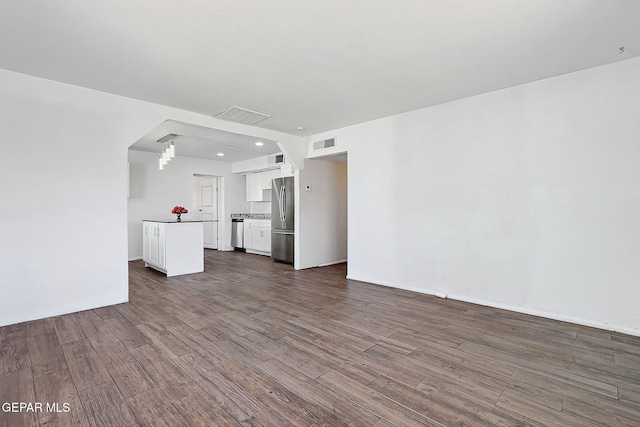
299,128
220,154
259,144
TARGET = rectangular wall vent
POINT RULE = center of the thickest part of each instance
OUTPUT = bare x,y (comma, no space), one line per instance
275,160
242,115
327,143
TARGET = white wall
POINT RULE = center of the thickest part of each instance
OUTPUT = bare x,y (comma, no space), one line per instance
525,198
63,186
153,193
322,213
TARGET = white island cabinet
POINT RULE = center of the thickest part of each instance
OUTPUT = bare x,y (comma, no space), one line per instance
173,248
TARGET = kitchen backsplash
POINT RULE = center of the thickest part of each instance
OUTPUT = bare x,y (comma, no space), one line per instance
259,207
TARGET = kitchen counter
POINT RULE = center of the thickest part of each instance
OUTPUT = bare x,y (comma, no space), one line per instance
250,216
173,221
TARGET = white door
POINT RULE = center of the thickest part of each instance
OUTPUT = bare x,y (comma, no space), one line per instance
206,202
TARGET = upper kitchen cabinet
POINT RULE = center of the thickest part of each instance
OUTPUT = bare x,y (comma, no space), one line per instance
260,172
254,188
267,178
286,170
258,182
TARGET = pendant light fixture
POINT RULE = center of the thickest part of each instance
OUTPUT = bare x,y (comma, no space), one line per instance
169,151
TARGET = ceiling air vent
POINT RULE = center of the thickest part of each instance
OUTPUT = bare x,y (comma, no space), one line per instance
242,115
327,143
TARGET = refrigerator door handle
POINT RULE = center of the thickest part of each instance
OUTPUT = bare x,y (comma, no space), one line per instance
285,232
284,205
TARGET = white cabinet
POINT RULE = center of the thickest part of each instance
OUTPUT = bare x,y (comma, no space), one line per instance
248,235
262,238
173,248
257,182
153,248
257,236
267,178
286,170
254,187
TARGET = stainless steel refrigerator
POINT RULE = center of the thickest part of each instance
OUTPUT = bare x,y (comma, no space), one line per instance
282,215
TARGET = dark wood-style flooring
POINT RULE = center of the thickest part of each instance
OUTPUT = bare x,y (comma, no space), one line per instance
252,342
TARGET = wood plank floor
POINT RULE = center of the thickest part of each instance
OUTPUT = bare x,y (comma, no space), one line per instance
255,343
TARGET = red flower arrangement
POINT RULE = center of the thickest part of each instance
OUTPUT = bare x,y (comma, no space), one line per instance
179,210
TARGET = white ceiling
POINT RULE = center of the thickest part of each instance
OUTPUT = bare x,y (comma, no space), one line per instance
205,143
321,65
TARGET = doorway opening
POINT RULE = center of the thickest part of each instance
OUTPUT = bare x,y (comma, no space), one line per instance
324,210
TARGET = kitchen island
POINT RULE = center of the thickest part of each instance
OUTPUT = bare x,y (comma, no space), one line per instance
173,247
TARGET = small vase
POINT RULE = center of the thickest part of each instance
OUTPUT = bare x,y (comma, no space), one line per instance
179,219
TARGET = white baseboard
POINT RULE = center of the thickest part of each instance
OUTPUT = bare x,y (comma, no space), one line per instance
135,258
27,317
251,251
326,264
525,310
